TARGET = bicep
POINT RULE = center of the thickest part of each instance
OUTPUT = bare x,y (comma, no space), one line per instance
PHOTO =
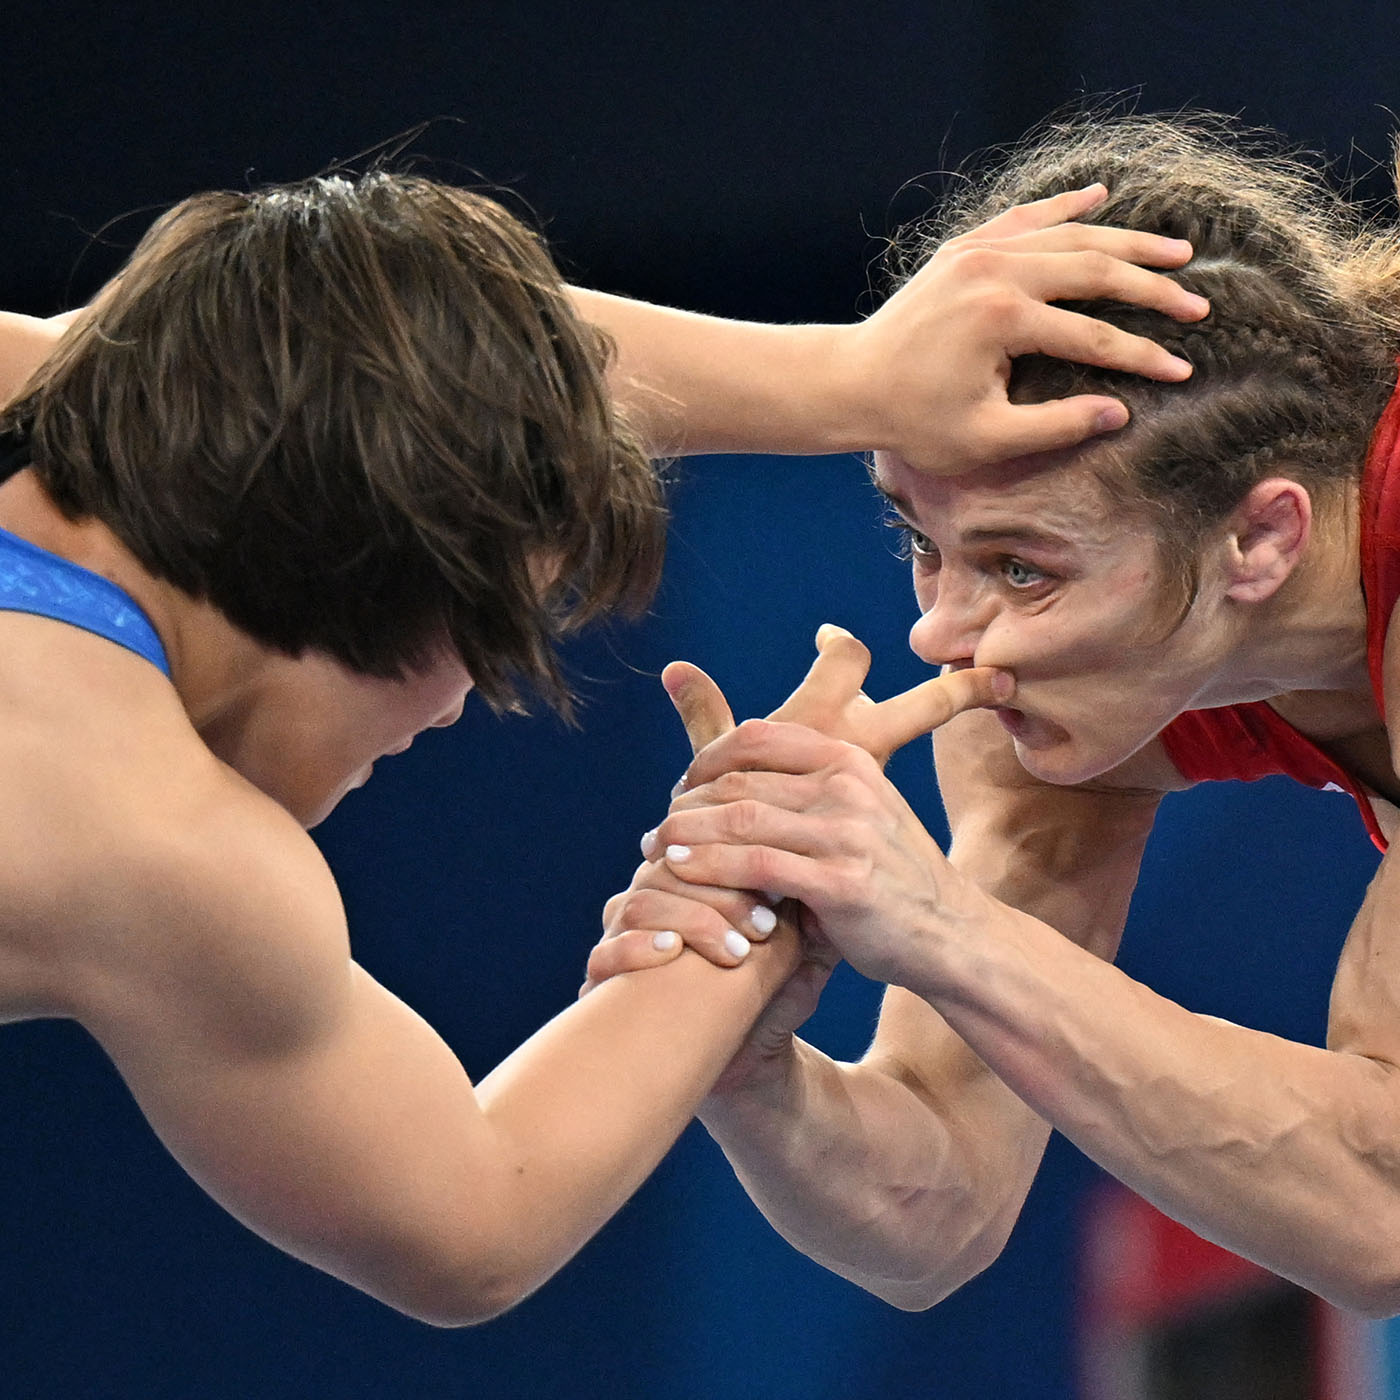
340,1137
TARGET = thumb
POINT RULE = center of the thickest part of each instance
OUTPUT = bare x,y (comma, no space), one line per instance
700,703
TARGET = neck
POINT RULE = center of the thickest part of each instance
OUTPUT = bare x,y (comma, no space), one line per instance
1310,635
216,669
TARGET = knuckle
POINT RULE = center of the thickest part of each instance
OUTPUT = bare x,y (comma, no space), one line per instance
730,787
744,819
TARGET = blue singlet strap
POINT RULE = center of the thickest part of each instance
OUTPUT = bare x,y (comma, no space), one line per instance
34,581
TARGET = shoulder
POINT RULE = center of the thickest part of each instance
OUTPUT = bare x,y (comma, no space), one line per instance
145,877
25,342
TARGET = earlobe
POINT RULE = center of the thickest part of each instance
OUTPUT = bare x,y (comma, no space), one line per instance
1268,532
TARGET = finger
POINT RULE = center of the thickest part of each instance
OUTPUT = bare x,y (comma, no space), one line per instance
1042,213
797,876
765,744
797,792
700,703
923,708
633,951
1070,335
1129,244
842,664
1089,275
1022,430
720,923
748,823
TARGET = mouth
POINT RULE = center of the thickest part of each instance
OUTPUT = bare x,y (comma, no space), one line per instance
1012,720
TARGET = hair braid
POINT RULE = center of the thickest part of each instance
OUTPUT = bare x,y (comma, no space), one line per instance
1296,359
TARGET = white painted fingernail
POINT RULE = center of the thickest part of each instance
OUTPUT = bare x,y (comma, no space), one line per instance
649,844
678,853
679,788
664,941
763,919
772,898
736,944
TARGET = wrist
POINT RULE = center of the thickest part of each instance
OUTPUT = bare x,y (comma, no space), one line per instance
847,394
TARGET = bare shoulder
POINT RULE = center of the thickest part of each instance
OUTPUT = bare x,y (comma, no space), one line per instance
143,877
25,342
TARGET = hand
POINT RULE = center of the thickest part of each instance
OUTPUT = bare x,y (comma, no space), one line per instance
779,807
657,915
930,369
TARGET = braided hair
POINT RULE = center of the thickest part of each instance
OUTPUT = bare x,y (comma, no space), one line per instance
1297,357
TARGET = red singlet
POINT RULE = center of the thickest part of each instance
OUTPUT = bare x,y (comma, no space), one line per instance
1253,741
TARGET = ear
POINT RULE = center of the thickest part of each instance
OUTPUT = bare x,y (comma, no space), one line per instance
1266,536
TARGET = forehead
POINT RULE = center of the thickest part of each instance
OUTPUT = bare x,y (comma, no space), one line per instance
1055,498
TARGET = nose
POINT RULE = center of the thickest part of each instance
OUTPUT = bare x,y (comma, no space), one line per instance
949,629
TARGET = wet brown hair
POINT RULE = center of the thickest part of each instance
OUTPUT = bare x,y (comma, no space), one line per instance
1293,365
357,416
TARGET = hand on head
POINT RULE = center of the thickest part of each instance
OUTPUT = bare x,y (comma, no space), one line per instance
935,360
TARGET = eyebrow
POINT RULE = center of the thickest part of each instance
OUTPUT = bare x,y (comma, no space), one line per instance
985,534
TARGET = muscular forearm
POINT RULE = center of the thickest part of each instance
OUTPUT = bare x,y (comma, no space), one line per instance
858,1170
696,383
1281,1152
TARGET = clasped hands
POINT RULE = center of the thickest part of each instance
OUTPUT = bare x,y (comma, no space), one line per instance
788,827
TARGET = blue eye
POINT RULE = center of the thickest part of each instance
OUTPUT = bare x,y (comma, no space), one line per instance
1019,574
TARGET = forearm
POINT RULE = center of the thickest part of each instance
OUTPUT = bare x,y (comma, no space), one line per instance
582,1112
1281,1152
695,383
906,1196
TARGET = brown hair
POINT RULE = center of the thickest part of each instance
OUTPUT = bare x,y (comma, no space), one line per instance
1295,361
361,417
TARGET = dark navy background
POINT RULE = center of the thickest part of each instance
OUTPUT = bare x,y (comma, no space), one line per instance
739,158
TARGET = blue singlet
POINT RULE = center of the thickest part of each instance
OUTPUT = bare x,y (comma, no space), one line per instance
34,581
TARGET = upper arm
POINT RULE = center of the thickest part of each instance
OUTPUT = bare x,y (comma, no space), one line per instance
303,1096
25,342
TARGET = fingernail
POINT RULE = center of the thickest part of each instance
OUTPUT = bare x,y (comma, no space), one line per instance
771,897
1003,685
1184,368
678,853
1199,304
1111,419
679,788
763,919
664,941
649,843
736,944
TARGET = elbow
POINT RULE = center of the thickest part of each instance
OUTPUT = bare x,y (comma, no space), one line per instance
1373,1294
931,1286
1364,1278
450,1307
448,1294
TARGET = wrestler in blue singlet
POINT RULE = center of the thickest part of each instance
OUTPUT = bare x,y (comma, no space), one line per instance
34,581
